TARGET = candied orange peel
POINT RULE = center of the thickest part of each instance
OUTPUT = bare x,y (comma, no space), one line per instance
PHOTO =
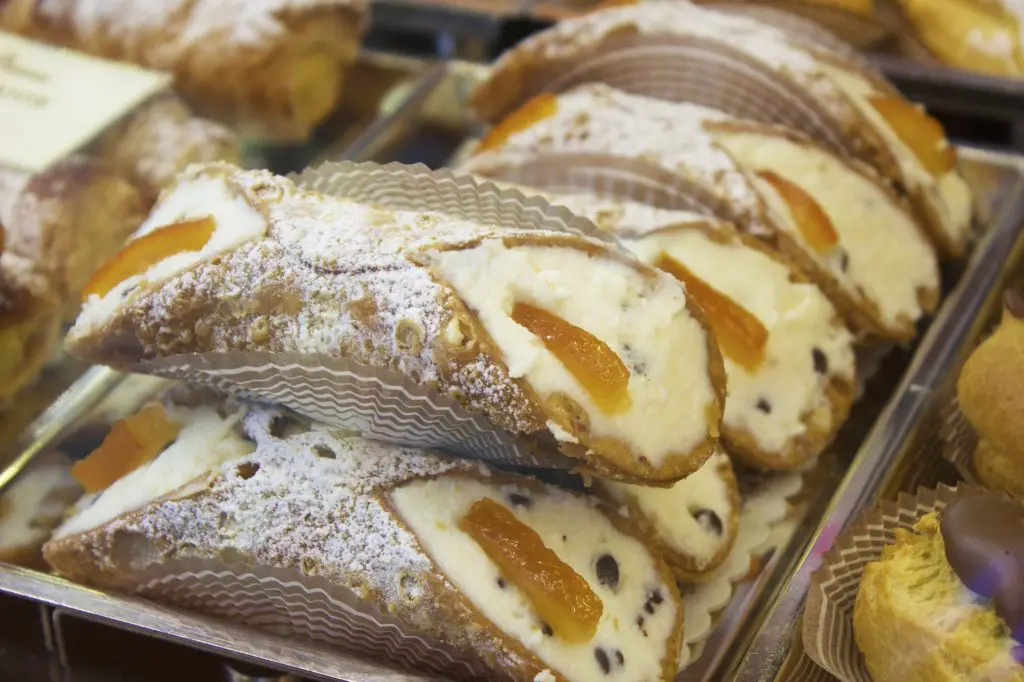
535,109
560,596
132,442
921,133
740,335
140,254
810,218
596,366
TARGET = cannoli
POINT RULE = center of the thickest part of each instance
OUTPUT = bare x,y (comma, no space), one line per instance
462,566
159,139
29,323
554,336
693,523
974,35
275,67
68,219
836,219
677,51
855,21
32,506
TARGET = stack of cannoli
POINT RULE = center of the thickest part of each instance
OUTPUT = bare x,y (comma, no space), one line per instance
272,67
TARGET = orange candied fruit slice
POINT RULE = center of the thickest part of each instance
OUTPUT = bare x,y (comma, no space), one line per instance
535,109
140,254
740,335
132,442
559,595
922,134
596,366
810,218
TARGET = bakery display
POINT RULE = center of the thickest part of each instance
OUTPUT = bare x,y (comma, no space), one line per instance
274,67
830,216
548,334
494,571
943,602
975,35
29,323
675,51
991,391
32,507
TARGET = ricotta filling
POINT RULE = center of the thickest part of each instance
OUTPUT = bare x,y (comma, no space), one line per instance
645,323
888,258
206,441
633,632
771,402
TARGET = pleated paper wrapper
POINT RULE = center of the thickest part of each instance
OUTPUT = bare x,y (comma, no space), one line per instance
854,31
291,604
376,402
704,71
828,614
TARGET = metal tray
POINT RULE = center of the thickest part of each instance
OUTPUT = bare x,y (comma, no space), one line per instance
426,121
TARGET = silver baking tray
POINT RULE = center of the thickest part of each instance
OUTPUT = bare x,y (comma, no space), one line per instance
426,121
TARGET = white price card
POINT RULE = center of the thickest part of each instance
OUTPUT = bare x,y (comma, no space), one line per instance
53,100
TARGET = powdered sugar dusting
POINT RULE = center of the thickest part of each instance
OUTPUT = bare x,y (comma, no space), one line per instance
598,119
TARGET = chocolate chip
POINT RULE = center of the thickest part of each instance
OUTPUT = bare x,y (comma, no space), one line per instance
565,538
709,521
546,629
247,470
501,583
649,607
324,452
518,500
656,597
619,657
764,406
608,571
602,661
639,621
820,361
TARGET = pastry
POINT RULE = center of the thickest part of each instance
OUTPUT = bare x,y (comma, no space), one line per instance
991,392
974,35
274,67
159,139
789,359
943,603
32,506
514,576
834,218
29,323
759,73
68,219
855,21
551,335
694,523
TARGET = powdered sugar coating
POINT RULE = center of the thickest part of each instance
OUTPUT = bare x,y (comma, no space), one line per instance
595,118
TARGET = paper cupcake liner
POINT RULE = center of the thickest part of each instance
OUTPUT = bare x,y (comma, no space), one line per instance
376,402
606,175
289,603
828,614
703,71
765,507
837,31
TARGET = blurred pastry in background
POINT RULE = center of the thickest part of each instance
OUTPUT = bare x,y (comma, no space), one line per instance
29,323
68,220
974,35
32,506
991,392
855,21
273,67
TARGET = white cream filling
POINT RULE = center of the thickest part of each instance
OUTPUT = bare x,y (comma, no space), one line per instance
206,441
33,505
888,258
579,534
950,195
797,316
647,325
676,512
236,223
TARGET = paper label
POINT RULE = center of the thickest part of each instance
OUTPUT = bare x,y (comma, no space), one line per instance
53,101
